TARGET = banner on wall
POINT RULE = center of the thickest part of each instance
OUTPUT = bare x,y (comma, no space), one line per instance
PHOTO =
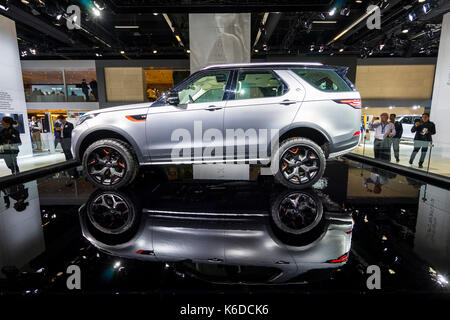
12,95
218,38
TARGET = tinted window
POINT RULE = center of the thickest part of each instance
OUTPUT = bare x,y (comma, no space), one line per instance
323,79
207,88
258,84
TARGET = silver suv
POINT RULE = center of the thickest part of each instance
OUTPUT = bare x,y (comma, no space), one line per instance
290,117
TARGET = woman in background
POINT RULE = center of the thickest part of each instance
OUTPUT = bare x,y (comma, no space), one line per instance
9,143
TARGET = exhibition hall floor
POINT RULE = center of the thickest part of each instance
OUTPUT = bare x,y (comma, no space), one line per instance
33,162
438,164
192,237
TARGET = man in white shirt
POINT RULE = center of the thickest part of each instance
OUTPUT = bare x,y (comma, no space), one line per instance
383,130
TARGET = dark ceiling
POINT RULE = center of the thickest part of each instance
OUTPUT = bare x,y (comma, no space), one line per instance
291,27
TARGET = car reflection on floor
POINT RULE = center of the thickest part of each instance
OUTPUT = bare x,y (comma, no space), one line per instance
222,233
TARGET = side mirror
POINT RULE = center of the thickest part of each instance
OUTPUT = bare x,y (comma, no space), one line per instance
172,98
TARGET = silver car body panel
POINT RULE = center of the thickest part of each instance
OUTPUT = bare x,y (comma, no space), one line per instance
307,107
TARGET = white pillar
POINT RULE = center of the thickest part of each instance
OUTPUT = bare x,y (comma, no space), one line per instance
219,38
440,104
12,95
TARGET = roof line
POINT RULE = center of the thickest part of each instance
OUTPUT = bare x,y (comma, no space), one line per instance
261,64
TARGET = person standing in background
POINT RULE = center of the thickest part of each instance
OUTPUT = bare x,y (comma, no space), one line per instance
383,130
395,140
35,129
422,140
65,130
85,89
57,133
93,85
9,144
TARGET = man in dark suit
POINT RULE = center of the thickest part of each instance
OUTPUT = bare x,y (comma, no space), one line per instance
66,136
57,133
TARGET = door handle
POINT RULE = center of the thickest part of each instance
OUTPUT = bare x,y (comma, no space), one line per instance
287,102
215,260
213,108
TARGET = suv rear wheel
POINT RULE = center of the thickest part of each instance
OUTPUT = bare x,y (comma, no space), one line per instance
110,164
301,162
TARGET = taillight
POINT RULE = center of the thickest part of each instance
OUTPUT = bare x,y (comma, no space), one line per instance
342,258
357,133
355,103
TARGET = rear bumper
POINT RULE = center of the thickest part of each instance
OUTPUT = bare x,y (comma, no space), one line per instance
344,147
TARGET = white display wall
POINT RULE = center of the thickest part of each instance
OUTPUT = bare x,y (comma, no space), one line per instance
218,38
12,96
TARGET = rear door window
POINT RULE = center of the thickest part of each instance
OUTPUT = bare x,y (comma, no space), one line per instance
252,84
323,79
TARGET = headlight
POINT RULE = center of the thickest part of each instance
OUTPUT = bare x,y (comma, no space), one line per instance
85,117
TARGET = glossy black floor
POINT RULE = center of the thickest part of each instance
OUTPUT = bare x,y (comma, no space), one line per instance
170,235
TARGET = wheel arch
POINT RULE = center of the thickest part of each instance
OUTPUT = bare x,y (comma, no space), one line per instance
96,134
310,131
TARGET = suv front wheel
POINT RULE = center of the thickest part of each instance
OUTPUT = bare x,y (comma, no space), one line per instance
110,164
298,163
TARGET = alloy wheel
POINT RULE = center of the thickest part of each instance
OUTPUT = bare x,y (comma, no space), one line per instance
110,214
106,165
299,211
299,164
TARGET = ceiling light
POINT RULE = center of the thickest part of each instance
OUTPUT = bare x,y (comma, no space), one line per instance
426,8
341,50
325,21
256,50
189,51
96,12
178,38
122,52
332,12
345,11
405,31
381,46
4,5
358,1
155,51
321,48
25,2
411,16
33,51
59,16
99,4
384,4
126,27
155,13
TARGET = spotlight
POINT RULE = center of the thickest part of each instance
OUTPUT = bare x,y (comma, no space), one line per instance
122,52
99,4
341,50
412,16
384,4
96,12
155,13
256,50
332,12
4,4
426,8
155,51
345,11
189,51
